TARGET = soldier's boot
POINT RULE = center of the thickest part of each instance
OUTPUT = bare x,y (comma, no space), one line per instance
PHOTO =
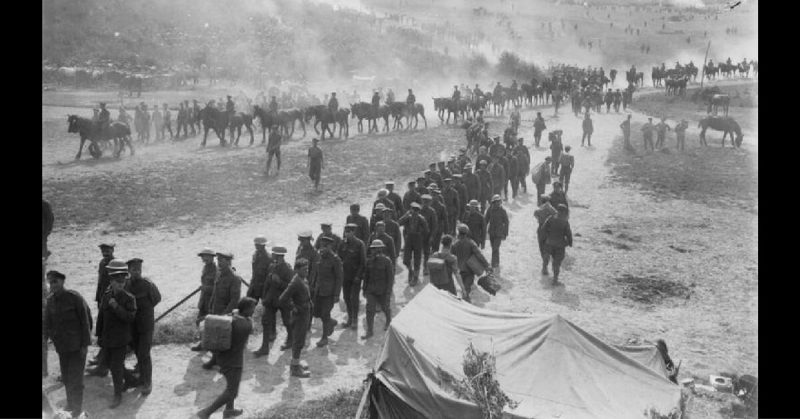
370,323
347,323
332,325
98,371
232,413
287,344
116,402
410,276
264,349
322,342
416,276
147,389
298,371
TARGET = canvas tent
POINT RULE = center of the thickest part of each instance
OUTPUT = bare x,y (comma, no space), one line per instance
553,368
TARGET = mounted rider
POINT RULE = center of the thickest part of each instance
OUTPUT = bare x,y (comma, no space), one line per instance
410,99
273,105
456,94
477,92
333,103
389,96
103,118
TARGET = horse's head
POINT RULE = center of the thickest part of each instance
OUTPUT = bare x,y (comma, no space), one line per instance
72,123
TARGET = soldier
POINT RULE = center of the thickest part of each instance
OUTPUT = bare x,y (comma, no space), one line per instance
378,284
376,100
432,220
298,293
377,215
307,251
104,117
588,128
103,282
383,199
326,285
411,195
392,228
327,231
410,99
497,227
389,96
273,105
361,222
117,313
261,263
315,162
278,277
557,196
566,163
230,107
167,125
558,236
544,212
68,323
471,183
452,204
661,131
523,163
395,199
274,148
609,99
353,254
626,132
556,148
456,94
617,100
231,362
147,297
541,177
227,289
513,169
515,119
464,249
434,175
388,240
486,184
461,190
451,267
207,279
647,130
538,127
180,121
415,234
438,206
333,103
627,97
498,174
496,148
422,186
158,122
477,225
680,134
444,172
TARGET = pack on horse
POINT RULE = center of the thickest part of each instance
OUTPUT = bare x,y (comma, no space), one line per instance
322,115
215,119
717,100
724,124
90,130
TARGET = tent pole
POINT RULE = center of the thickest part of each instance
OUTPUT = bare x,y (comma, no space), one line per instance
363,399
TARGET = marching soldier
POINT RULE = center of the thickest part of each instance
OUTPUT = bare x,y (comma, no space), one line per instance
465,248
388,240
307,251
523,163
274,148
68,323
180,121
476,223
471,182
392,229
326,285
432,220
441,218
395,199
278,277
327,231
617,100
227,289
415,234
451,267
538,127
486,184
566,164
452,204
147,297
103,282
558,236
167,125
498,174
626,132
463,198
353,254
298,294
207,279
497,227
588,128
544,212
661,131
541,178
378,284
410,196
647,130
315,162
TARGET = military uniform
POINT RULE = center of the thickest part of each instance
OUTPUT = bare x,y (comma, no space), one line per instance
227,290
647,130
397,202
378,284
362,231
260,263
538,127
453,206
556,147
167,124
68,323
393,230
486,186
626,131
567,162
497,228
207,279
588,128
415,232
353,254
661,131
498,174
442,222
463,249
680,134
471,182
388,242
280,273
326,285
114,333
298,294
231,363
409,197
513,171
147,297
477,226
463,198
544,212
319,242
558,236
309,253
432,221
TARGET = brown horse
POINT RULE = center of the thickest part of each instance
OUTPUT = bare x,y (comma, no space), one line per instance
718,100
726,125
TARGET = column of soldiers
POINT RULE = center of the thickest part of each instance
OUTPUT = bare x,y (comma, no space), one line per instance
160,120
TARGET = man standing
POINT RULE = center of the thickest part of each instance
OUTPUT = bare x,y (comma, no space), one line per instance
327,231
541,178
207,279
558,236
432,221
464,249
566,163
626,132
306,250
298,293
415,232
661,131
477,225
497,227
227,289
261,263
544,212
437,205
617,100
361,222
450,267
463,197
452,205
410,196
231,362
378,283
274,148
315,162
68,323
523,163
394,198
167,125
557,197
117,313
513,170
392,229
278,277
471,182
353,254
389,246
680,134
180,121
538,127
147,297
609,99
647,130
498,174
326,285
103,282
588,128
486,184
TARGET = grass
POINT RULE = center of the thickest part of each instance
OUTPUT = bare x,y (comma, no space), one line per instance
342,404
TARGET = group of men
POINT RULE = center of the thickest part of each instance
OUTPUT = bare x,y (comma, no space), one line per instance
125,322
659,129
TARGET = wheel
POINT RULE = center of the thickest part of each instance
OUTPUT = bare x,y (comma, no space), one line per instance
95,150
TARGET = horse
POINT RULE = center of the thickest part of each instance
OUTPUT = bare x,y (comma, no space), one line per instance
295,115
656,76
724,124
90,130
362,111
744,70
718,100
445,104
236,121
342,118
397,109
415,111
321,114
215,119
711,71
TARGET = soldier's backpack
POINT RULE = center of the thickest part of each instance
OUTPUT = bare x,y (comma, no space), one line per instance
489,283
217,332
536,173
438,271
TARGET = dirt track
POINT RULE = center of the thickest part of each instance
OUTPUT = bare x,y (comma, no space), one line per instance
618,231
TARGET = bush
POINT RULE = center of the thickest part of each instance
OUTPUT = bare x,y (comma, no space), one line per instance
342,404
